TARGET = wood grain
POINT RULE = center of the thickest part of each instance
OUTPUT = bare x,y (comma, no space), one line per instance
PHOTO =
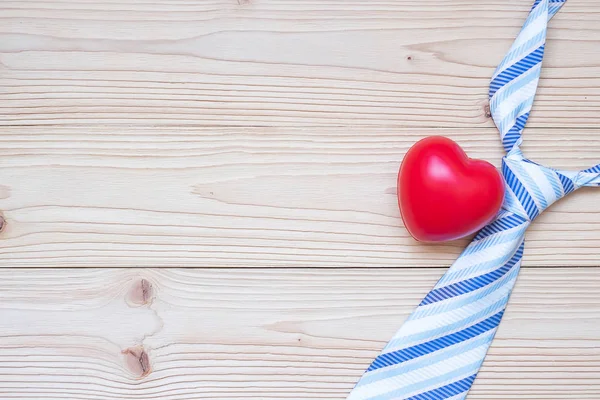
270,334
276,63
252,197
268,133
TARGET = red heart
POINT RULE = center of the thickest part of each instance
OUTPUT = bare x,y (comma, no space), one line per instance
445,195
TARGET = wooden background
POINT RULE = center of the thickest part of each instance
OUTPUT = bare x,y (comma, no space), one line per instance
200,194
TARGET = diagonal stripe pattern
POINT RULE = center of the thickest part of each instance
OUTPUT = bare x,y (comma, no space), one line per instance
438,351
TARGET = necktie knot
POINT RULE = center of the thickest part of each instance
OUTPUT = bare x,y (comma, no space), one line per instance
531,188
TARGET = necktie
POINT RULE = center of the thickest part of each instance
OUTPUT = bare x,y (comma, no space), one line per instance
440,348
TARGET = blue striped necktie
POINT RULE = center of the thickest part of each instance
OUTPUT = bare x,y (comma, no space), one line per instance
440,348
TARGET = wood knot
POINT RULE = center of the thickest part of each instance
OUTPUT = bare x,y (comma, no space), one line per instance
141,292
137,361
409,58
487,111
2,222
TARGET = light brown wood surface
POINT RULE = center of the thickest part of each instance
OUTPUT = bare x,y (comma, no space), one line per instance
250,197
255,145
284,62
270,334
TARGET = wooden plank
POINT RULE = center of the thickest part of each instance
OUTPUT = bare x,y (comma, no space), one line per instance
279,334
274,62
251,197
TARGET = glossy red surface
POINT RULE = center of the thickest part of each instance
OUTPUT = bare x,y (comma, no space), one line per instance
445,195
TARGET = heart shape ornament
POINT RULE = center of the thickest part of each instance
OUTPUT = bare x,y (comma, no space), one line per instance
445,195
